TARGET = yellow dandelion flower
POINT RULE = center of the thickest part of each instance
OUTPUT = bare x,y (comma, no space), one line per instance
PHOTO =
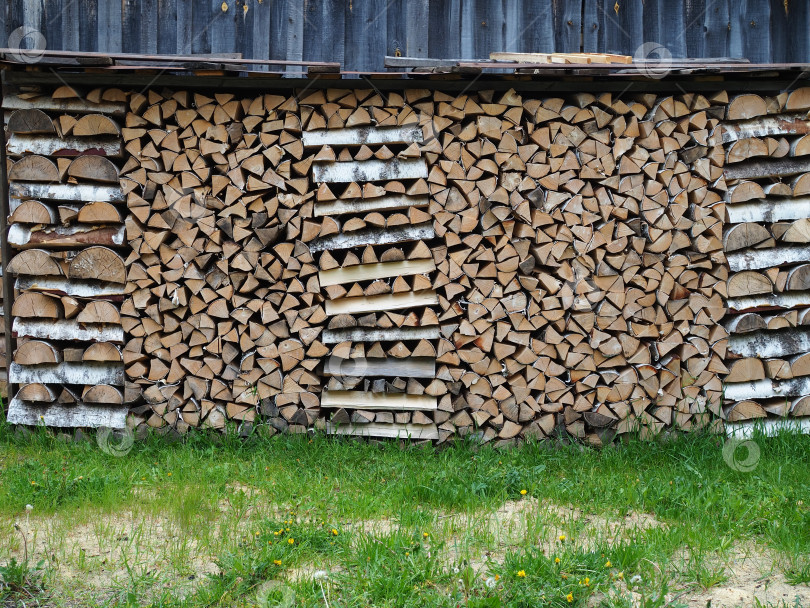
407,553
334,532
522,573
497,577
291,541
169,474
620,576
425,534
523,492
608,564
562,538
570,597
556,560
587,581
277,562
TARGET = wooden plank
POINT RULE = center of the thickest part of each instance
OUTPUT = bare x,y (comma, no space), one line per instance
768,428
67,330
715,31
767,168
79,106
765,344
70,287
762,126
444,31
390,431
365,24
769,210
365,334
382,302
370,272
67,192
58,415
779,300
88,25
374,236
366,400
749,30
325,31
48,145
369,170
367,205
109,27
358,136
765,389
412,367
622,28
67,372
751,259
23,237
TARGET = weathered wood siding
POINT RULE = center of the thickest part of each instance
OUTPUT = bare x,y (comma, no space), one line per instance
358,33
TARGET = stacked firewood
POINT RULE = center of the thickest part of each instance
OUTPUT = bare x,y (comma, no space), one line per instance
767,241
66,223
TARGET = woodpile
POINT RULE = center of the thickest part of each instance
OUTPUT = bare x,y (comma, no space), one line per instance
67,228
767,241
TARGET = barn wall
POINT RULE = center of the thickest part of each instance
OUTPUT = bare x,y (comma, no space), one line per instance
359,34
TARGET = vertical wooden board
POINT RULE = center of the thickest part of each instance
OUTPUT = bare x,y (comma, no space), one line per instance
590,26
70,25
277,22
623,28
131,26
798,25
395,42
716,37
444,31
260,38
201,17
88,25
671,26
416,28
243,24
780,42
365,24
167,26
750,30
324,31
516,24
295,35
694,18
110,27
568,23
32,20
487,28
223,27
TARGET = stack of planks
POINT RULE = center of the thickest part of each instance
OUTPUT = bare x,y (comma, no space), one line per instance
767,242
65,226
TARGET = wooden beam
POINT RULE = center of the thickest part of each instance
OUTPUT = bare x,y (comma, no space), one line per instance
369,170
23,237
382,302
358,136
751,259
766,389
50,145
374,236
67,372
370,272
767,168
367,205
67,330
765,344
58,415
365,334
412,367
768,300
762,126
391,431
366,400
72,287
67,192
79,106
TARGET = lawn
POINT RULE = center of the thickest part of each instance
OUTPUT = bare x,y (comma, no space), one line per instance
313,521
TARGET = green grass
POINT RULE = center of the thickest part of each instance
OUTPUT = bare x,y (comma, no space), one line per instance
207,522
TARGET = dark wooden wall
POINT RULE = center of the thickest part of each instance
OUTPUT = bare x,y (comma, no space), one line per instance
358,33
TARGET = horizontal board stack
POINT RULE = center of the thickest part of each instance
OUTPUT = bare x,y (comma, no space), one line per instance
65,226
372,238
767,243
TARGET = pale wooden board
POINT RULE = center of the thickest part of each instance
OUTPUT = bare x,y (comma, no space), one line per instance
751,259
410,367
366,400
367,205
390,431
765,389
59,415
367,334
382,302
67,192
764,344
68,372
67,330
12,102
756,169
70,287
370,272
47,145
19,236
779,300
357,136
374,236
369,170
769,428
762,126
769,210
